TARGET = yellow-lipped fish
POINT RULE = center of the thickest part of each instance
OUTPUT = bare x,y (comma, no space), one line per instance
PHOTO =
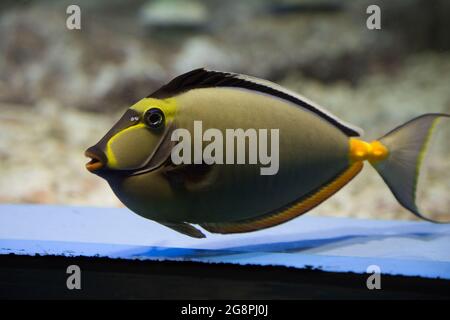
318,155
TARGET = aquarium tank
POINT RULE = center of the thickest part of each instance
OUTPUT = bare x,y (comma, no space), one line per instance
69,70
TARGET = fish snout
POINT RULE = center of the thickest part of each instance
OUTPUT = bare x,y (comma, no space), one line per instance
98,159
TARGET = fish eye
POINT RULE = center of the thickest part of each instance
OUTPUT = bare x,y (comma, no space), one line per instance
154,118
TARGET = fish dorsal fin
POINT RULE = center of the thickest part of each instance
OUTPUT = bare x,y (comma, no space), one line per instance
202,78
289,211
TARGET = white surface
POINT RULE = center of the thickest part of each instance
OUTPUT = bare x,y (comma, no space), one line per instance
334,244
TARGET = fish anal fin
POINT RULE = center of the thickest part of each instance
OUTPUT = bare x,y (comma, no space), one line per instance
290,211
184,228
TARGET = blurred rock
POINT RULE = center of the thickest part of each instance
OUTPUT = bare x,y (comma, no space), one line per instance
205,52
41,158
178,15
82,70
112,62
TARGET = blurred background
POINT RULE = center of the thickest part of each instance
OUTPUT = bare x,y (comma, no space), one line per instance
61,90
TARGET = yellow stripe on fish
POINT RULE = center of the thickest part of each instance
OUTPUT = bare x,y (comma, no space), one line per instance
112,160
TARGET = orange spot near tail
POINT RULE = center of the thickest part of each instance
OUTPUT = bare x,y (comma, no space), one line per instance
374,151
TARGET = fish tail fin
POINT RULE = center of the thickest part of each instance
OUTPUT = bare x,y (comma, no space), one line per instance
406,146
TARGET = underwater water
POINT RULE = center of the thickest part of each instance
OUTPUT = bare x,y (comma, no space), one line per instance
62,89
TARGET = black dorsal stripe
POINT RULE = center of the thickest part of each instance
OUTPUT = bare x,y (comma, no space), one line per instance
201,78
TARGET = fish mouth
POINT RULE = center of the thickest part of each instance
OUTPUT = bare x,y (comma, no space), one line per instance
96,163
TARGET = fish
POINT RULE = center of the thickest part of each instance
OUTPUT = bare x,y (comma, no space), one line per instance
318,155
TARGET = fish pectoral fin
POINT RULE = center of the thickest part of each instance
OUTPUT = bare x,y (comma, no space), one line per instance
189,177
184,228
